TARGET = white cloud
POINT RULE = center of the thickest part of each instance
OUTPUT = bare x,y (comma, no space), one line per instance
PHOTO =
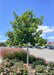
46,29
0,35
2,40
51,37
42,35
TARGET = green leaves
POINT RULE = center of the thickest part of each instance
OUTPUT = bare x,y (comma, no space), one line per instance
42,41
24,27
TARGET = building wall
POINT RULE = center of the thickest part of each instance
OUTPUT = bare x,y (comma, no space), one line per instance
50,43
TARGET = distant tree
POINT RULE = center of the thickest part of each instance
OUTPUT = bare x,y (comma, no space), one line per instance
24,29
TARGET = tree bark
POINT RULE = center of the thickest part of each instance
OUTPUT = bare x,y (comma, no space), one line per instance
27,55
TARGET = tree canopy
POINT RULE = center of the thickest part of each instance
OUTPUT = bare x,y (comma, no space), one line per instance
24,28
42,41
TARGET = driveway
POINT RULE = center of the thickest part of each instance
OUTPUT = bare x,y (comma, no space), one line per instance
47,54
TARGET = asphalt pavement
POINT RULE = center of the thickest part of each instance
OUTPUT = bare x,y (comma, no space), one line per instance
47,54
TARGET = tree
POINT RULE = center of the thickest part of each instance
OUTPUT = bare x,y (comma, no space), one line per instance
24,29
42,41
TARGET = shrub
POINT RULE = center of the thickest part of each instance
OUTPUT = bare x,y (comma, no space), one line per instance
40,69
17,68
19,55
44,70
5,50
9,55
51,68
39,61
32,58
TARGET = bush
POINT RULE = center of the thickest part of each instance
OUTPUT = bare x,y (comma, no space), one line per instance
32,58
40,69
8,67
19,55
44,70
51,68
39,61
6,50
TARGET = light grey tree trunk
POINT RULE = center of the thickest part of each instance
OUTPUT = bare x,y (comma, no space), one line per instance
27,55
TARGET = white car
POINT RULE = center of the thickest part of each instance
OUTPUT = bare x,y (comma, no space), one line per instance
42,47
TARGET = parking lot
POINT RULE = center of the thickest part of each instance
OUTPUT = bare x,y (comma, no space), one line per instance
47,54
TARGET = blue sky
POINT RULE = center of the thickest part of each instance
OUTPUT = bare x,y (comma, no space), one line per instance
40,7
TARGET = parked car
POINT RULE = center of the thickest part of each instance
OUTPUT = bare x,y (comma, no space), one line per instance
39,46
42,47
24,46
35,46
46,47
20,46
50,47
30,46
